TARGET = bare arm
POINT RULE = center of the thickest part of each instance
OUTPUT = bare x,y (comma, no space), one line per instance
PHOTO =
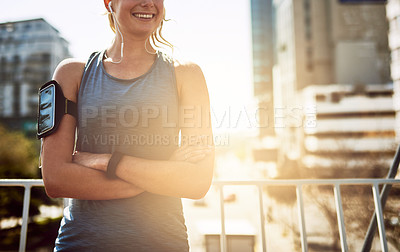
62,177
178,176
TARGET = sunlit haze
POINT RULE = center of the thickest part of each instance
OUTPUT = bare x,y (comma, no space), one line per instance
214,34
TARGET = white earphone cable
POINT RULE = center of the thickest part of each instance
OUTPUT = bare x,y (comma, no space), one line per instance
120,33
122,37
145,47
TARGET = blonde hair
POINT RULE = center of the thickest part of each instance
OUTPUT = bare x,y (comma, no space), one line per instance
156,37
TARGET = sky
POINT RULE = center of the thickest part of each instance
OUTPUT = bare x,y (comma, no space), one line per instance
215,34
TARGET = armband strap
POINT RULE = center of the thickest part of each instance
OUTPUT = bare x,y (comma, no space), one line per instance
71,108
113,163
52,107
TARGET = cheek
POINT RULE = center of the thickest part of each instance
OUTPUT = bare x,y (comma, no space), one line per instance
161,10
159,4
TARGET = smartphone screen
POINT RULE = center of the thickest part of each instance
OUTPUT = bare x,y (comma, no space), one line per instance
46,120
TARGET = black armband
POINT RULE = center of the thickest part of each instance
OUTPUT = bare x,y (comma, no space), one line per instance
52,107
113,163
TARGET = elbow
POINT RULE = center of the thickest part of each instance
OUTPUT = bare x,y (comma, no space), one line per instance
51,182
199,194
201,189
51,193
51,190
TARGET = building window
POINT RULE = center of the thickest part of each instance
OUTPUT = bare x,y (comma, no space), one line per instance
309,59
46,57
16,59
320,97
10,27
335,97
27,26
307,19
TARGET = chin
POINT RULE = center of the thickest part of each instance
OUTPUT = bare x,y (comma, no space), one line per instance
142,32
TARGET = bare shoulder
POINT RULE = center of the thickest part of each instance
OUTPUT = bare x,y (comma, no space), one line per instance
187,68
191,83
189,77
69,74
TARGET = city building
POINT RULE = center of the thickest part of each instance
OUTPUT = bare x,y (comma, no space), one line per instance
393,16
263,46
262,22
327,43
29,52
353,130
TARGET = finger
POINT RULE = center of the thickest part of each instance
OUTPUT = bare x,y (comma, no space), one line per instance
196,146
179,156
195,159
192,148
198,152
185,152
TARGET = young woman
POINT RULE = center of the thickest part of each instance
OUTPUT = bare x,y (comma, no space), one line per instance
146,113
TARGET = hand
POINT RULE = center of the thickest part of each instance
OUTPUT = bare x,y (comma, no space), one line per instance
191,153
91,160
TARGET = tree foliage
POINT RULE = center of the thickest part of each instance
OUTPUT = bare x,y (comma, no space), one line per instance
18,155
19,160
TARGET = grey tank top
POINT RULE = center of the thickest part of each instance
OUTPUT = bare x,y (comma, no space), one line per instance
138,117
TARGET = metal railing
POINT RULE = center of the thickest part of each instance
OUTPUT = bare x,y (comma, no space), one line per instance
336,183
27,184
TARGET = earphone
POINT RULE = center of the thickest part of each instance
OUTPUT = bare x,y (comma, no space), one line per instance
120,33
110,8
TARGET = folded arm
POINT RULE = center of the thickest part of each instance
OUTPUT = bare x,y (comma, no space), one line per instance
62,177
178,176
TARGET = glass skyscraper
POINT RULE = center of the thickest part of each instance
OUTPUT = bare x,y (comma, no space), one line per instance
262,22
29,52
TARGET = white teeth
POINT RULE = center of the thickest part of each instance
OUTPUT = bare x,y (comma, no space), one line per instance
147,16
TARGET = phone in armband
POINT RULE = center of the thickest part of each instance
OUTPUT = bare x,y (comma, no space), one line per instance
52,107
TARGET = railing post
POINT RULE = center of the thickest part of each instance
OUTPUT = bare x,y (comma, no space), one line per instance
379,217
25,216
340,217
302,223
28,184
223,234
262,219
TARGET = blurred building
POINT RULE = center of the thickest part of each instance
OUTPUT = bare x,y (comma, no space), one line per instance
393,16
262,22
263,44
331,43
29,52
353,130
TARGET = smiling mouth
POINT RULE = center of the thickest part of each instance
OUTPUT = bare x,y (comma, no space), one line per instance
143,16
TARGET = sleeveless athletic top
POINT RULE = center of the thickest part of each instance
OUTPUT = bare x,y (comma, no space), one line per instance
138,117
